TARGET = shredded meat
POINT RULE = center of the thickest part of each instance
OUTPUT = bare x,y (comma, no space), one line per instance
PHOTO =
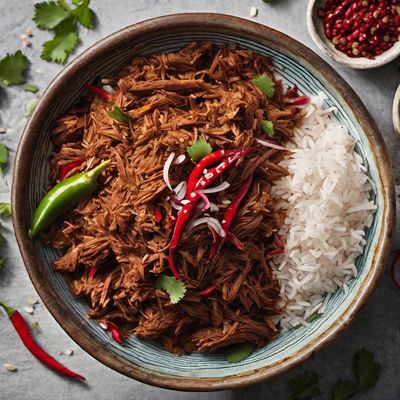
172,99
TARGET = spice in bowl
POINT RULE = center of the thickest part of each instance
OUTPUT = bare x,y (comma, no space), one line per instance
362,28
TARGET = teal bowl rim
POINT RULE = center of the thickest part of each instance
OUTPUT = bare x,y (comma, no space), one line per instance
237,27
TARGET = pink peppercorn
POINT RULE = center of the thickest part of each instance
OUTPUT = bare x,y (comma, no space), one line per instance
361,28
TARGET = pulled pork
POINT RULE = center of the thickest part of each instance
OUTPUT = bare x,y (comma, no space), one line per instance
172,99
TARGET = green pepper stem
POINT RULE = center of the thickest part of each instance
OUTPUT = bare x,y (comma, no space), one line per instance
9,310
94,173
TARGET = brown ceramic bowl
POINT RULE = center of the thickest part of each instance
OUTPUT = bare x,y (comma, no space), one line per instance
149,362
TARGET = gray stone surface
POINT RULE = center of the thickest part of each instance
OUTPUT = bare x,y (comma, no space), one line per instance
376,328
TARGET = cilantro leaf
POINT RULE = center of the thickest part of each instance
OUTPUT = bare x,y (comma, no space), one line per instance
365,370
117,114
63,43
84,13
343,390
31,106
304,386
176,289
12,68
5,209
49,14
265,84
239,352
2,262
3,157
199,149
31,88
267,127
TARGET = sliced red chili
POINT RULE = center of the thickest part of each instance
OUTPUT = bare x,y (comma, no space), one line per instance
99,92
92,271
158,215
208,291
69,167
112,328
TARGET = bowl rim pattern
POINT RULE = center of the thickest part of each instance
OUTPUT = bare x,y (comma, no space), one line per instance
237,27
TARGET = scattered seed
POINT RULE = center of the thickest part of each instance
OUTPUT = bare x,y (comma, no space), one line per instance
253,12
29,32
26,42
226,201
3,130
68,352
23,36
10,367
28,309
33,301
35,325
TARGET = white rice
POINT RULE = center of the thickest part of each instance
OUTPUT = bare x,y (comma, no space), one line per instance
328,206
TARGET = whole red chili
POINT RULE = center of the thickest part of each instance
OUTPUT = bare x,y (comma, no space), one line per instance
207,161
193,198
24,333
70,167
361,28
229,215
99,91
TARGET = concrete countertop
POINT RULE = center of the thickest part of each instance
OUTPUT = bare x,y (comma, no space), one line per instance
377,328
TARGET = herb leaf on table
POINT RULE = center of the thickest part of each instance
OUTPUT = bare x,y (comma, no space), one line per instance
3,157
304,386
13,68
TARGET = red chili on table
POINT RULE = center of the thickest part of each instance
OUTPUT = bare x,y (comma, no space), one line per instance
24,333
362,28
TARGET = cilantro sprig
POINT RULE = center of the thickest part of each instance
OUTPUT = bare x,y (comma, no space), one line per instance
176,289
199,149
119,115
265,84
5,209
3,157
63,20
267,127
13,68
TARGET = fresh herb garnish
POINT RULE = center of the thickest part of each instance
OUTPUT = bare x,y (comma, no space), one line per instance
3,157
31,88
62,20
238,352
267,127
13,68
118,114
265,84
366,373
176,289
31,106
5,209
304,386
199,149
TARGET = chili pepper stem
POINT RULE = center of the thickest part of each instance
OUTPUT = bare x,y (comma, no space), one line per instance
9,310
94,173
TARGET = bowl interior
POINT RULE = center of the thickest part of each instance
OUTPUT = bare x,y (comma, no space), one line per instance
316,29
149,361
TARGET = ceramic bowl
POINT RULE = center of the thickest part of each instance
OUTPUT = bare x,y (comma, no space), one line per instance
148,361
396,111
316,30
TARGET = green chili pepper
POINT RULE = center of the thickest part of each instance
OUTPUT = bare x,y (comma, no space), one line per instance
64,196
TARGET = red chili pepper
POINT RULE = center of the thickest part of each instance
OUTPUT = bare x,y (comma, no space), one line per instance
299,101
92,271
158,215
70,167
109,326
187,209
393,266
207,291
24,333
292,92
99,91
207,161
230,214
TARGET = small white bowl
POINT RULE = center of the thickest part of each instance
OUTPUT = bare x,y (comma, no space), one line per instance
396,111
316,30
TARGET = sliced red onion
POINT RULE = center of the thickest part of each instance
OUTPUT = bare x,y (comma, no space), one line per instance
223,186
299,101
176,200
167,166
176,206
267,143
180,190
206,202
211,222
180,159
